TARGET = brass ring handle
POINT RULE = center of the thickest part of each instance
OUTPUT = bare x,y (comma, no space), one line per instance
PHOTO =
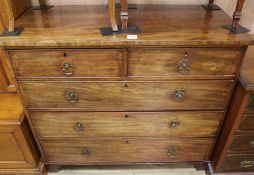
174,124
78,126
85,152
184,67
67,68
247,164
171,152
252,144
180,93
72,96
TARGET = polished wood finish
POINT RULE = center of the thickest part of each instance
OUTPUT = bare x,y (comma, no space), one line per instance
238,13
127,96
243,143
84,63
92,124
247,121
127,150
182,66
18,151
202,63
238,163
10,10
112,14
164,28
124,14
234,144
6,75
247,75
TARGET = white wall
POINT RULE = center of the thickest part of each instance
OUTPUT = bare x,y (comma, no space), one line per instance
227,5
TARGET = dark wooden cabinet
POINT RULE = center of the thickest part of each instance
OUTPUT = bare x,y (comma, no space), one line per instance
234,150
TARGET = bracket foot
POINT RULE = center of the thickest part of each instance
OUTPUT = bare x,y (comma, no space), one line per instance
43,7
211,7
236,30
107,31
16,32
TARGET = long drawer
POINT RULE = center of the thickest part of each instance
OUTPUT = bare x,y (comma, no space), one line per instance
129,124
238,163
243,144
67,63
184,62
127,96
247,121
91,151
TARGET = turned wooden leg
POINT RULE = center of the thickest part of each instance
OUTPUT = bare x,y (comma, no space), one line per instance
43,5
112,14
124,14
235,27
211,6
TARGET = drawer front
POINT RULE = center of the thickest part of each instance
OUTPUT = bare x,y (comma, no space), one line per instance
67,63
238,163
126,150
127,96
194,63
247,121
115,124
250,104
243,143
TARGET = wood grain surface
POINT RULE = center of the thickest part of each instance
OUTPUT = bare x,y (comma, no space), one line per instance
125,150
202,62
193,27
127,96
84,63
128,124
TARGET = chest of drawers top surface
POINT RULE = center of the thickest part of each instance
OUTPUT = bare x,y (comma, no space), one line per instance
161,25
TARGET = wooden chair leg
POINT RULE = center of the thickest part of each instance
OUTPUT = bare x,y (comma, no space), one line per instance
124,14
211,6
43,5
10,29
112,15
235,27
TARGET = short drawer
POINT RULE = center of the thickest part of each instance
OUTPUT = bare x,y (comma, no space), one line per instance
247,121
96,63
91,151
238,163
243,143
184,62
128,124
127,96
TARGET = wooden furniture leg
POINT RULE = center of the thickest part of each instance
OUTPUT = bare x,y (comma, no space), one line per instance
113,30
124,14
211,6
43,5
112,14
10,29
235,27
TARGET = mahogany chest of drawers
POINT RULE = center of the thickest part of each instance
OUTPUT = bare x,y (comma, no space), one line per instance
94,100
235,148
